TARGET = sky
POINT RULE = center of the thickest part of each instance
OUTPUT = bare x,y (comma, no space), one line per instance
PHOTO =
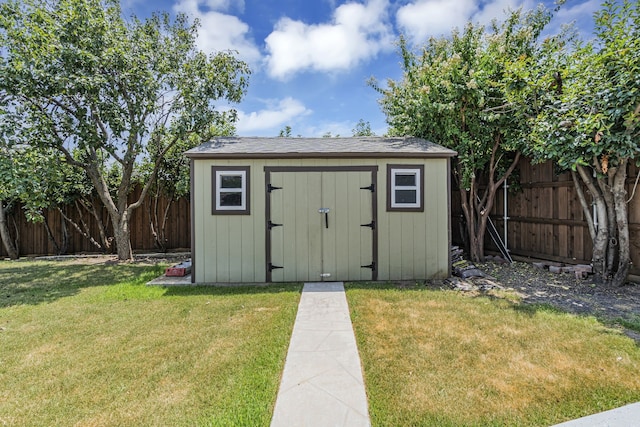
311,59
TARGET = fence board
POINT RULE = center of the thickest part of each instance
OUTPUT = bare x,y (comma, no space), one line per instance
34,240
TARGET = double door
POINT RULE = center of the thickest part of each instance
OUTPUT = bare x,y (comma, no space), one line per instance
321,224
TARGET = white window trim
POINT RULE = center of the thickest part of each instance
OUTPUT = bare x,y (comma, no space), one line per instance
416,188
243,208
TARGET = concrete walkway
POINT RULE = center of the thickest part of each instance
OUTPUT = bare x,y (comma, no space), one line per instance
322,382
626,416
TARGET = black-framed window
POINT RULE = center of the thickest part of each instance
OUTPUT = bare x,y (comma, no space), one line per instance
230,186
405,188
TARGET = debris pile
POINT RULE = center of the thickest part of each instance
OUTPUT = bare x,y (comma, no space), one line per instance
461,267
581,271
475,284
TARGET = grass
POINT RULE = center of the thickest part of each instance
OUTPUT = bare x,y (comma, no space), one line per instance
93,345
442,358
630,322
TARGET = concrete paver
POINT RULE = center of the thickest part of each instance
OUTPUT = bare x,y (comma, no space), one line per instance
625,416
322,383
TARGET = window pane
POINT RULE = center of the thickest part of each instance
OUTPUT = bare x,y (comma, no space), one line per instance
231,181
405,180
406,196
231,199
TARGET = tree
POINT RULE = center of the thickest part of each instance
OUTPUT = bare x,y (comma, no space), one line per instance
285,132
30,178
171,181
102,90
590,124
454,92
363,129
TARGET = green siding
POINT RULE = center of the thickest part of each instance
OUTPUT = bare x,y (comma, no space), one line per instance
411,245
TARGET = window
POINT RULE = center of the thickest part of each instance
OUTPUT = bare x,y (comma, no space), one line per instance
230,190
405,188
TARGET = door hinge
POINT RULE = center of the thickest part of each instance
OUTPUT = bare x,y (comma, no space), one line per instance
274,267
371,266
371,225
271,225
270,188
371,188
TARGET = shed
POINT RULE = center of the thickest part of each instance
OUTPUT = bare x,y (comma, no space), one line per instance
319,209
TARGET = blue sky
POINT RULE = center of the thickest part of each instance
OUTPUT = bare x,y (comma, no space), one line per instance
310,59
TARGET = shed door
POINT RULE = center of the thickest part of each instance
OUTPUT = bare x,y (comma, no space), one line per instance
320,226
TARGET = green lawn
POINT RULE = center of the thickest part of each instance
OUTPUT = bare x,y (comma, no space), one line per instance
93,345
440,358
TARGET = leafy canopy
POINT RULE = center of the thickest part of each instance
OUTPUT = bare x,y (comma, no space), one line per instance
454,90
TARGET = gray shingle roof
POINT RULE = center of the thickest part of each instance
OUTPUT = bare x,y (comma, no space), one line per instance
252,147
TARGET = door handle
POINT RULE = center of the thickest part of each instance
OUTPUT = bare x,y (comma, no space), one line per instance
325,211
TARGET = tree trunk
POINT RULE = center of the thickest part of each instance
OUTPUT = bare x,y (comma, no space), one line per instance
468,208
91,207
65,235
607,194
84,231
620,200
165,217
52,238
12,251
599,235
477,209
122,235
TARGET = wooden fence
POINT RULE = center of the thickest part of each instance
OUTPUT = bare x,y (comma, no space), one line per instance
33,238
545,220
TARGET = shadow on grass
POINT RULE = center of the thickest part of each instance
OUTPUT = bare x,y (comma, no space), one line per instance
268,288
401,286
28,282
629,325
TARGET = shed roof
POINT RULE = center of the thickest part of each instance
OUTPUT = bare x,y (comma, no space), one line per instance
362,147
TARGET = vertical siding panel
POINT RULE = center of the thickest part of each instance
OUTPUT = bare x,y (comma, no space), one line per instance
364,235
384,268
277,233
395,246
436,218
298,239
258,191
408,224
222,242
234,251
203,246
428,250
338,224
329,235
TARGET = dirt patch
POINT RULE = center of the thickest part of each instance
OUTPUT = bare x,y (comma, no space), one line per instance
566,292
148,258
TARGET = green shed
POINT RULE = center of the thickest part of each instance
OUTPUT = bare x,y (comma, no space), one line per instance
319,209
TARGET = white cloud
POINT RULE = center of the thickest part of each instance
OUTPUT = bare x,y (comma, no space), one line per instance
277,114
497,9
357,32
219,31
422,19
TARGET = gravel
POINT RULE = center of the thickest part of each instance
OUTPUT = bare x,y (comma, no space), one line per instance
567,293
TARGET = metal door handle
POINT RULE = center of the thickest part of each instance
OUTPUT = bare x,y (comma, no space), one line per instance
325,211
